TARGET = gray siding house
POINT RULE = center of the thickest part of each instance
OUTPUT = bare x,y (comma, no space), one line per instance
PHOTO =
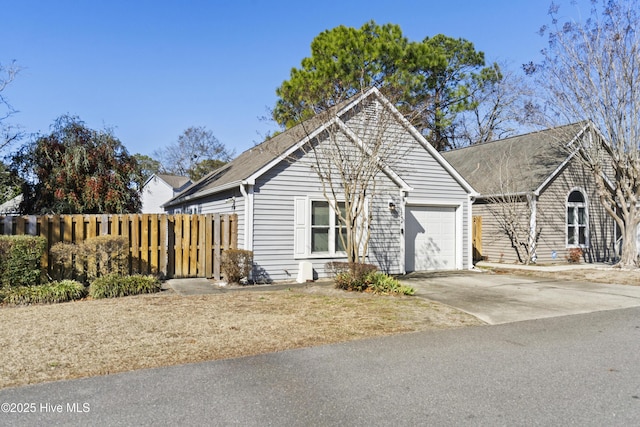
537,181
419,214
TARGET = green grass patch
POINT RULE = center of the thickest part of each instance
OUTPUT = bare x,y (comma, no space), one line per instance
49,293
115,285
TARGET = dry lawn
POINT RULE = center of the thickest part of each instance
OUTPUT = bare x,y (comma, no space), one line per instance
96,337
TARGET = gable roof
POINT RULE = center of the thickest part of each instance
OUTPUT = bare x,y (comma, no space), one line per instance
254,162
174,181
520,164
257,160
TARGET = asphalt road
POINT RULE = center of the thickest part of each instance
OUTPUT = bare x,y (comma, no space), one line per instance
573,370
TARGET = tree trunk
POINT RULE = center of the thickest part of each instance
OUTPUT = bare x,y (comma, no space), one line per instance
629,255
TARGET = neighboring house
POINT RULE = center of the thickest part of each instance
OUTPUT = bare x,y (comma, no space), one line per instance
159,189
537,181
11,206
420,212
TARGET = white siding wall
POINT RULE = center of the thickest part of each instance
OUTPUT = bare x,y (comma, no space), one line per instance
154,194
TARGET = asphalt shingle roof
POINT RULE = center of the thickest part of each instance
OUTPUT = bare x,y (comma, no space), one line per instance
514,165
249,162
175,181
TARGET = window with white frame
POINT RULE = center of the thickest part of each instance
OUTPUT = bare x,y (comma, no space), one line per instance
317,228
325,228
577,220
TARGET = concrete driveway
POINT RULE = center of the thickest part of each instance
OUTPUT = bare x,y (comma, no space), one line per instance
498,299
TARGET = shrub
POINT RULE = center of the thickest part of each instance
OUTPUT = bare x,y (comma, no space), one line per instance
5,249
66,290
236,264
350,276
20,260
62,256
92,258
105,255
366,278
383,284
114,285
356,268
575,255
349,282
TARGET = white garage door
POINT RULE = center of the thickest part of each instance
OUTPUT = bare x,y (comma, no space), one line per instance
430,238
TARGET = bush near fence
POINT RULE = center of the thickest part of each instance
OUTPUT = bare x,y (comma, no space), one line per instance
92,258
20,260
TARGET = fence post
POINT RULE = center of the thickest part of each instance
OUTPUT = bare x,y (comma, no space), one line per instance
177,259
44,232
164,244
186,242
144,243
477,238
201,245
216,246
134,238
32,225
19,225
193,247
233,226
104,225
153,245
208,245
7,225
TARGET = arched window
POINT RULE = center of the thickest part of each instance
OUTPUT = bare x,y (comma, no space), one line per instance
577,220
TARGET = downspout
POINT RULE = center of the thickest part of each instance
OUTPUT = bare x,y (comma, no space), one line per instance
248,214
533,200
403,235
470,264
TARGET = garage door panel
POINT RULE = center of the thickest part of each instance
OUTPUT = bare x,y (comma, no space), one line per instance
430,238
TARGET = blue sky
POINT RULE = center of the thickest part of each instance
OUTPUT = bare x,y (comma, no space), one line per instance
151,69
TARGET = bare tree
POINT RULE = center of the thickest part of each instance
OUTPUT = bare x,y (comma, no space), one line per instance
194,154
8,133
512,208
349,158
502,107
591,70
511,213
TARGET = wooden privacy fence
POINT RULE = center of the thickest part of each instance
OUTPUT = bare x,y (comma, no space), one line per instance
476,238
170,245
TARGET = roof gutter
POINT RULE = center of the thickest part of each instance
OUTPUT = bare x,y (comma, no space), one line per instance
499,195
248,213
200,194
